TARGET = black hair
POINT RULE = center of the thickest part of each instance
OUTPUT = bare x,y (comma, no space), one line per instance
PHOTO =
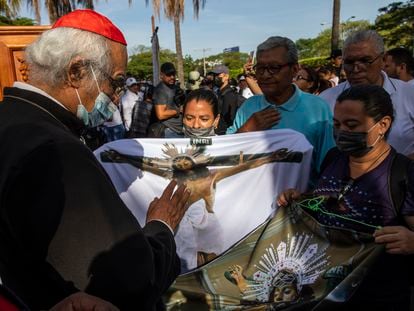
149,92
402,56
206,95
233,82
376,101
313,77
325,69
324,85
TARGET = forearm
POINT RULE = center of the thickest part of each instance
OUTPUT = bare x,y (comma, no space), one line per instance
164,114
253,86
246,127
242,130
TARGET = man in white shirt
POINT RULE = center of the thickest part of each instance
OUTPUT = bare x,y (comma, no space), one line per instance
244,87
114,128
363,62
128,101
399,64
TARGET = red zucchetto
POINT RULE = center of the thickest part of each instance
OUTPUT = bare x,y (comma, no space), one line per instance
92,21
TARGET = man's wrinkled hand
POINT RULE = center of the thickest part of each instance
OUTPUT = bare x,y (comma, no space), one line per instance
397,239
261,120
171,206
83,302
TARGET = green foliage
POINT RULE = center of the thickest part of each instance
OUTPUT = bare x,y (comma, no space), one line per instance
396,24
233,60
321,45
315,47
140,62
19,21
314,61
190,65
350,27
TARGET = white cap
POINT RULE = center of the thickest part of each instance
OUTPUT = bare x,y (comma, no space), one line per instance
194,75
131,81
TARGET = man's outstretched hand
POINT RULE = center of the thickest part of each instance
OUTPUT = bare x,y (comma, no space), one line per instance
171,206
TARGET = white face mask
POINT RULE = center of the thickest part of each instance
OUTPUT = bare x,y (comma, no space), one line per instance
102,109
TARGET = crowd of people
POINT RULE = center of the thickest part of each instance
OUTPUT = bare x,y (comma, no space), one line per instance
59,231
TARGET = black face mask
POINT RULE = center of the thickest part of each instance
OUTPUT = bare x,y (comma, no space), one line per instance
218,81
353,143
196,133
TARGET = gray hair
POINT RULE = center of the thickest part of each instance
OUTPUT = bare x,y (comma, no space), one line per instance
276,42
49,56
366,35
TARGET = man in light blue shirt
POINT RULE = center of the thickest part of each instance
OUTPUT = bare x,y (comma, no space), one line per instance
283,105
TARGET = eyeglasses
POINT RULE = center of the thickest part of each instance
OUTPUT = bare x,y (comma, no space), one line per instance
300,77
271,69
362,63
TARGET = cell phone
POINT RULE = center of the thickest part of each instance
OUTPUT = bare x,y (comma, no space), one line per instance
251,54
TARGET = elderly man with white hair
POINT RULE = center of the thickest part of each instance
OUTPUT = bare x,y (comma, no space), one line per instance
63,227
363,61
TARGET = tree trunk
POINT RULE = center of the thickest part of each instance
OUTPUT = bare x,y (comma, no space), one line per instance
36,9
179,50
52,12
335,24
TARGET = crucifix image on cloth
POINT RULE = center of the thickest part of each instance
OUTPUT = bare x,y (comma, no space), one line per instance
233,187
190,167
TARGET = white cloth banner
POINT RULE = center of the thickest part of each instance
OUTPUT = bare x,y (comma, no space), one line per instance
234,182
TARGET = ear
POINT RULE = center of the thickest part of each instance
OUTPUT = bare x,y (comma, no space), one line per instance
385,124
216,121
295,69
78,69
403,67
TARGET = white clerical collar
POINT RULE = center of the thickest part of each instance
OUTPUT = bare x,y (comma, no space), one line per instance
29,87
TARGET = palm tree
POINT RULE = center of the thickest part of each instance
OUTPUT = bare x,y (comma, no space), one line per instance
174,10
56,8
335,24
9,8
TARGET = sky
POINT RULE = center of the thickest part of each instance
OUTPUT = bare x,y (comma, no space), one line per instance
228,23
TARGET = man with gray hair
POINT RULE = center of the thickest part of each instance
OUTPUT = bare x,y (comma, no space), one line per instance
363,62
63,226
282,104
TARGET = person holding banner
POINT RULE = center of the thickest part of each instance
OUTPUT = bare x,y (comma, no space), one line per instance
63,226
363,62
200,114
367,186
199,234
